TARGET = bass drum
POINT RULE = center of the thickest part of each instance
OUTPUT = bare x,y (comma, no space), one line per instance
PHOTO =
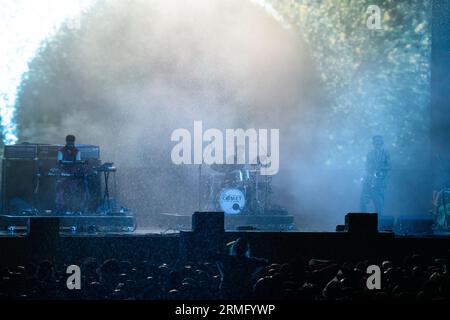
232,201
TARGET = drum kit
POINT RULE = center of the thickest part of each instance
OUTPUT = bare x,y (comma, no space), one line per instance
237,189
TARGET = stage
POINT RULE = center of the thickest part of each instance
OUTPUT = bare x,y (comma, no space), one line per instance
159,246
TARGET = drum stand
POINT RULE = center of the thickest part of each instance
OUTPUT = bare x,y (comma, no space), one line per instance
200,187
87,194
106,196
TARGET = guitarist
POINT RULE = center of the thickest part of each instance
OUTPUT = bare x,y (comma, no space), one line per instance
378,165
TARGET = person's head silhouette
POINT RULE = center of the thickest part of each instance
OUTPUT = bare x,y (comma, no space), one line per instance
377,141
240,248
70,140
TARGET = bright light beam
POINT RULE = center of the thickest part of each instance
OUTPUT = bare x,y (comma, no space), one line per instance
24,25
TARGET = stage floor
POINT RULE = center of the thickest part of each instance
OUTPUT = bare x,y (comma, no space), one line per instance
167,246
148,232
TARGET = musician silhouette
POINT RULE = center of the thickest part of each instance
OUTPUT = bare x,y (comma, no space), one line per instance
67,184
378,165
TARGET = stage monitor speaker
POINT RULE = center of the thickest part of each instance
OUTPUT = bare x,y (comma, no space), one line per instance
361,223
43,229
208,222
206,238
43,236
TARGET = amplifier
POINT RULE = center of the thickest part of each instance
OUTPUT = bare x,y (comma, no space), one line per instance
89,152
18,184
21,151
32,151
47,151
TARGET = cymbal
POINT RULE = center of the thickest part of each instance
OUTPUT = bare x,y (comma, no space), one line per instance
226,168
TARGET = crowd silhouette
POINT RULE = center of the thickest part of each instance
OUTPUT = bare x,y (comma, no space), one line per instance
234,275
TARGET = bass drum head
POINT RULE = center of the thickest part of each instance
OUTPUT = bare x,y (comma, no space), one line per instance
232,201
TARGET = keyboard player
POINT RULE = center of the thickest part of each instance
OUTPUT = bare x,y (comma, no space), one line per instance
68,185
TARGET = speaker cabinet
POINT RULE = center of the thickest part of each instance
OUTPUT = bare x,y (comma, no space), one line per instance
43,237
361,223
19,178
26,187
43,229
206,238
208,222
